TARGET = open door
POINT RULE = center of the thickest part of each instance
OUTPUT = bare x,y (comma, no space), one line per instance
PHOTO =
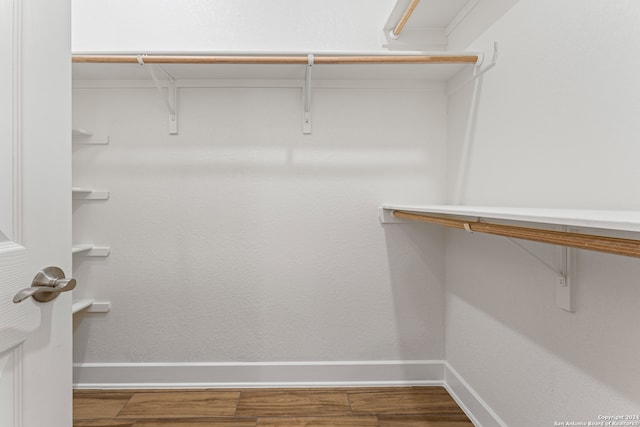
35,212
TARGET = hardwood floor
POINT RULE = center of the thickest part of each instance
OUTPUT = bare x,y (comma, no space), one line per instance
343,407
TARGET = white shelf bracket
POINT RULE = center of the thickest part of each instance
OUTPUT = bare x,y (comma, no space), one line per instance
564,275
306,97
172,94
478,69
564,288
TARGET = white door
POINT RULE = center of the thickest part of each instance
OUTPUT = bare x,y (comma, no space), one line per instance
35,210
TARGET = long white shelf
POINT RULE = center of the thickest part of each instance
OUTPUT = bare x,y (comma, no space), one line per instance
601,219
470,218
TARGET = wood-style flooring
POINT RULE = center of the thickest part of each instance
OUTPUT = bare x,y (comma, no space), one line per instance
342,407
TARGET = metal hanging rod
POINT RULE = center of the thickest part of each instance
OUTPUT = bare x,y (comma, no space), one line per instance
612,245
280,59
395,33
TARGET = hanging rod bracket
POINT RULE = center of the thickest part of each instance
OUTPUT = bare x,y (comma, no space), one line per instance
564,285
478,69
306,97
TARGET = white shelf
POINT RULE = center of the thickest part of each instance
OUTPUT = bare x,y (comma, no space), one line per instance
80,133
88,249
469,218
601,219
80,305
81,193
90,306
182,72
83,136
76,249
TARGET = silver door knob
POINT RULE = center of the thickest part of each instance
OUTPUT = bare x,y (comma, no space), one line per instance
46,286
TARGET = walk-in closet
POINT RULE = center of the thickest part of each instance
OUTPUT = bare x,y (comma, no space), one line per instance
389,200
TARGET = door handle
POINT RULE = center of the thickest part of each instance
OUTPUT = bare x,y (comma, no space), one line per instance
46,286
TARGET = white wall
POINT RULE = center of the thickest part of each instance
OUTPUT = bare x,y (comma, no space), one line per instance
240,239
144,26
556,127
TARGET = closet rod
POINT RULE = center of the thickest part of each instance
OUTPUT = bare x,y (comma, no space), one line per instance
280,59
405,17
612,245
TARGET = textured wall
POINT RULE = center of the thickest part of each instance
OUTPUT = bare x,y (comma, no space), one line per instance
556,127
240,239
245,25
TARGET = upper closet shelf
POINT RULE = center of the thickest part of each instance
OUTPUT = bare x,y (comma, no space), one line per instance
382,66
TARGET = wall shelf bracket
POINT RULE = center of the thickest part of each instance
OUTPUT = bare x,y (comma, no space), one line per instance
563,275
478,69
306,97
564,288
171,97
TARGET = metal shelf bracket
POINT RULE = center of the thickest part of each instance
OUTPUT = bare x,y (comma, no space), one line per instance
172,93
564,275
306,97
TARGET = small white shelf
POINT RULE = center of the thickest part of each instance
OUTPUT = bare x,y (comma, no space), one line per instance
88,249
81,193
601,219
83,136
80,305
80,133
90,306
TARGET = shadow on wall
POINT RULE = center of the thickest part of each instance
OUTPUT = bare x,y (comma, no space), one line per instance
416,275
488,281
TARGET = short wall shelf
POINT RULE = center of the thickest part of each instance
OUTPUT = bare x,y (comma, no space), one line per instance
88,249
81,193
80,133
83,136
90,306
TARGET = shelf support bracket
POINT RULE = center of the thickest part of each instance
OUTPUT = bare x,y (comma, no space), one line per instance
564,275
478,69
172,94
306,97
564,288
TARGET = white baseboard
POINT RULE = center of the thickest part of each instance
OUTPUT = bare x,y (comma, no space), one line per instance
471,403
273,374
